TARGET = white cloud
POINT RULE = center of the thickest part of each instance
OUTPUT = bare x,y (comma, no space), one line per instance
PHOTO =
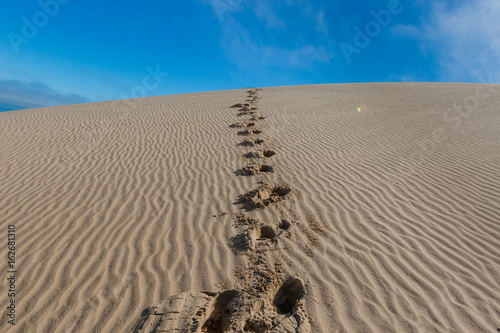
250,52
264,11
466,37
321,25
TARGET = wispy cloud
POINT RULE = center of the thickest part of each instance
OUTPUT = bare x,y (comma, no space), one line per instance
222,8
249,53
464,36
321,25
253,52
470,35
264,10
34,94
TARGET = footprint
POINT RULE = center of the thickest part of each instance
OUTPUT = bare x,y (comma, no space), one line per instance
281,190
252,142
243,241
254,170
239,105
231,310
246,113
241,219
267,233
249,132
260,154
252,155
289,294
284,224
241,125
244,133
268,153
183,312
248,239
265,195
220,318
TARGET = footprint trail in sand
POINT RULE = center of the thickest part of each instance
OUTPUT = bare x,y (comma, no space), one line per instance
268,299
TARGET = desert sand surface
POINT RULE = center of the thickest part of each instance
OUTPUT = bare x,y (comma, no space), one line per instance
324,208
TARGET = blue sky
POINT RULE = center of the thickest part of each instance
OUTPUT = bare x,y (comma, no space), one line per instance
56,52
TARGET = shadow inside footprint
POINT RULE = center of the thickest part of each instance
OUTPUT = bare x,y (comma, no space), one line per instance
248,132
252,155
246,113
281,191
251,143
290,292
267,232
244,133
268,153
284,224
220,318
266,169
260,154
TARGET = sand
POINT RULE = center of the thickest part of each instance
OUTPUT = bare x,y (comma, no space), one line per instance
143,214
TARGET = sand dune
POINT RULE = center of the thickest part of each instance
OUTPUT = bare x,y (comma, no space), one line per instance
388,215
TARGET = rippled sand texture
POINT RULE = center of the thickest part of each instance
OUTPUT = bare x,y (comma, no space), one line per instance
394,213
